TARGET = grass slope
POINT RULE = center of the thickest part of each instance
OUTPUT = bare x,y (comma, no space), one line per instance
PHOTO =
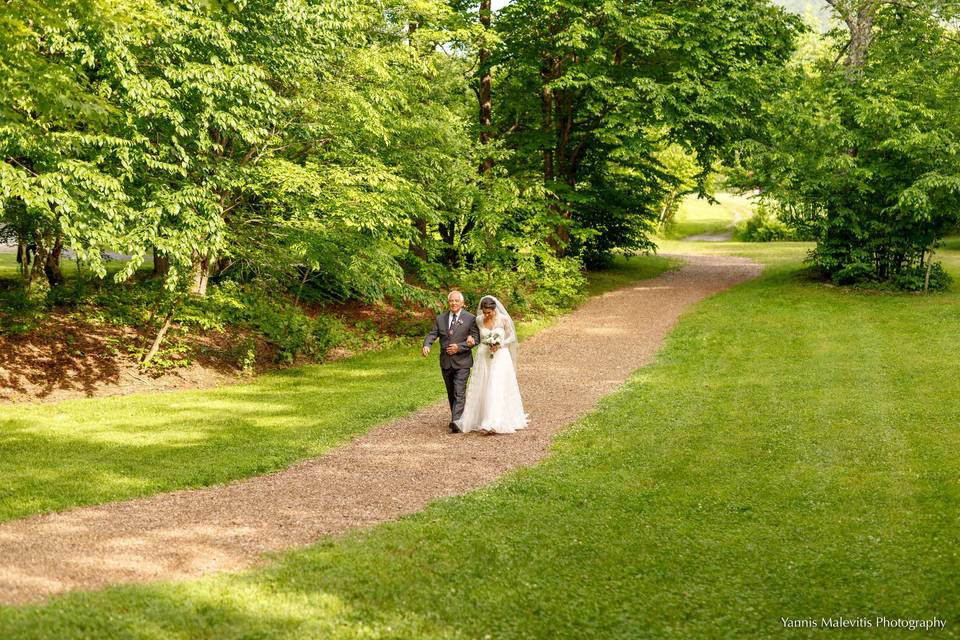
623,271
791,454
82,452
696,215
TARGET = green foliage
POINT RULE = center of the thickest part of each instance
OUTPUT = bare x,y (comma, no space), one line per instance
284,324
597,93
912,278
917,278
331,150
538,283
174,354
866,156
764,226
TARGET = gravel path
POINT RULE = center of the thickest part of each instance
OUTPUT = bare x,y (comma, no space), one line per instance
394,469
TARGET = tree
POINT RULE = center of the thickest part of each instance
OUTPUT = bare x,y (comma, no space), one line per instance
865,156
59,157
597,89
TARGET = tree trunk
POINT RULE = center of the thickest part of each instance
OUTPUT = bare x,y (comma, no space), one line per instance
484,96
419,243
161,264
547,106
155,347
39,261
201,275
23,258
51,264
858,16
926,277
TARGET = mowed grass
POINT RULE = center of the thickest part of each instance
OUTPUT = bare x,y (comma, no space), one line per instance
8,265
625,270
10,269
792,454
91,451
697,215
82,452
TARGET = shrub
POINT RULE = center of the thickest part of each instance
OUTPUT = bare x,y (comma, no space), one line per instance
284,324
763,226
909,278
913,278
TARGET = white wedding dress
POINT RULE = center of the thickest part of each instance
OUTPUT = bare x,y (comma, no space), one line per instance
493,401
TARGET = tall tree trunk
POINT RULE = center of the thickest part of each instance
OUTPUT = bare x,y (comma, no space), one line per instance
484,96
547,106
553,153
201,274
161,264
418,245
858,15
51,263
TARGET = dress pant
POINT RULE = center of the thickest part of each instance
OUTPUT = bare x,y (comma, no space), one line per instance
456,383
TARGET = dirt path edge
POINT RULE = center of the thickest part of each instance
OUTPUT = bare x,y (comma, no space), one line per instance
397,468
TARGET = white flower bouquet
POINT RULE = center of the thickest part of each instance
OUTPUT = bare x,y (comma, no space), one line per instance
494,338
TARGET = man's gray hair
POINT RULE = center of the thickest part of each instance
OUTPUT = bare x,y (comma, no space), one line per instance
455,294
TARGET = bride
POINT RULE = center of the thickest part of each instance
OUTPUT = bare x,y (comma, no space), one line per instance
493,402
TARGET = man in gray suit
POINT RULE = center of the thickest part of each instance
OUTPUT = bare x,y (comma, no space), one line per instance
458,333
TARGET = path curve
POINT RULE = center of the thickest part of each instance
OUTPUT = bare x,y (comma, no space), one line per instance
722,236
395,469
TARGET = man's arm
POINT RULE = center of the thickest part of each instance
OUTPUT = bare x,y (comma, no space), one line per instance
474,333
433,335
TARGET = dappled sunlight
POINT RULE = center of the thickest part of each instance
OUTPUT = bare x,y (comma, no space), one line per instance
648,288
141,444
15,580
608,331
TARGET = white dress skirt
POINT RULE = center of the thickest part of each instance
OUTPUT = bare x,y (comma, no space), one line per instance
493,401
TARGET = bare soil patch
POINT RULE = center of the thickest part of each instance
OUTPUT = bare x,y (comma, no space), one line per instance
66,358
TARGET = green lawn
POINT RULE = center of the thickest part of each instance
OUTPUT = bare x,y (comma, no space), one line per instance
91,451
8,265
623,271
697,215
792,453
81,452
10,270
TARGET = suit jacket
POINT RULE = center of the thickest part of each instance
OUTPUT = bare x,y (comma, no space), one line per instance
466,326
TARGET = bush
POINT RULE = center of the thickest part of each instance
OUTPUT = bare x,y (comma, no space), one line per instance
537,282
913,278
284,324
763,226
910,278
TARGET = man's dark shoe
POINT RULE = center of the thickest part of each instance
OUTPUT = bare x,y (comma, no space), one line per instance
454,428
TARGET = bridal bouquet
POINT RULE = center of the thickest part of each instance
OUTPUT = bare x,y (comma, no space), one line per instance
495,338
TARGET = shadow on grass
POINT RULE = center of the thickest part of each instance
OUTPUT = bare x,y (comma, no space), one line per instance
784,458
92,451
